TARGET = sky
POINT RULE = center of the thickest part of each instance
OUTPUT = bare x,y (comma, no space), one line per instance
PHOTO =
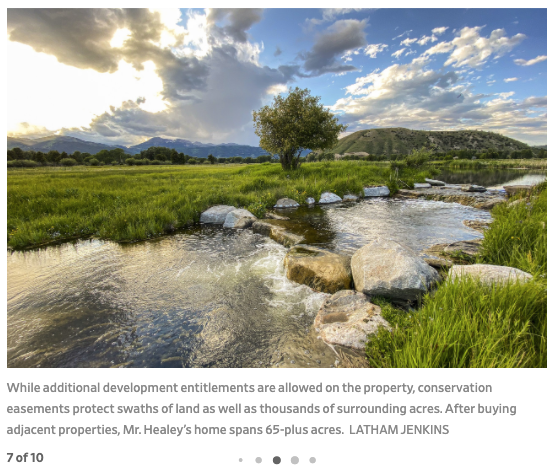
124,76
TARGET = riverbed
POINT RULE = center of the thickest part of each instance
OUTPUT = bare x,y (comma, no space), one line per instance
204,297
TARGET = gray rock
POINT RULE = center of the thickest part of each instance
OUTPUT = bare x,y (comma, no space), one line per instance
286,203
376,191
461,248
387,268
328,197
474,189
216,214
244,223
350,198
347,318
477,224
421,185
435,182
233,217
310,200
438,263
512,190
489,274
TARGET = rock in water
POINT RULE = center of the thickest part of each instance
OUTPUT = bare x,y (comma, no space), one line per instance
350,198
347,318
474,189
286,203
489,274
435,182
278,234
376,191
387,268
216,214
310,200
421,185
233,217
319,269
277,217
477,224
328,197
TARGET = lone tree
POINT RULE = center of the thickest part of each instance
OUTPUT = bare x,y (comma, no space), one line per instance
295,123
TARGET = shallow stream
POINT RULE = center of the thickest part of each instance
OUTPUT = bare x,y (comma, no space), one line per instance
205,297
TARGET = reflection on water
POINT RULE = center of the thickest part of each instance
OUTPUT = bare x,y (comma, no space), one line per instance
206,297
496,178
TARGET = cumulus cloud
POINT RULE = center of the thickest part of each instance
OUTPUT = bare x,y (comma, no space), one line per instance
372,50
408,41
211,80
398,53
416,96
440,30
330,14
534,61
425,39
341,37
471,49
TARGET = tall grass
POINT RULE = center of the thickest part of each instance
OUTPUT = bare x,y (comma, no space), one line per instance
465,324
135,203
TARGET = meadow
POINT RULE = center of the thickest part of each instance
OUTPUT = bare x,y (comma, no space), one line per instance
536,164
464,324
49,204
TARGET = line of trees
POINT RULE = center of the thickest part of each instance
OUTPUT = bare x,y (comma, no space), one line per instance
490,154
151,156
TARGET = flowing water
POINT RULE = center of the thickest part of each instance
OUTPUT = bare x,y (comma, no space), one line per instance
206,297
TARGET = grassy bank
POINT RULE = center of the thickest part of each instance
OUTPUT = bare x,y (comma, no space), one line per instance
136,203
493,164
464,324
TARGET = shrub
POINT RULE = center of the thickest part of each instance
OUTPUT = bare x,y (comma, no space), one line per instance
68,162
94,162
130,161
22,163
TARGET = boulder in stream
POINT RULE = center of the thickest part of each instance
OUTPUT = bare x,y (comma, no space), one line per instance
277,233
435,182
216,214
347,318
310,200
319,269
286,203
239,219
376,191
473,188
489,274
421,185
389,269
328,197
350,198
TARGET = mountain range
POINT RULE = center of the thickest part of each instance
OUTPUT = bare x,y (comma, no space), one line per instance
196,149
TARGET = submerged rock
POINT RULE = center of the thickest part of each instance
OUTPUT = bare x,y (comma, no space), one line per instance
286,203
277,233
489,274
376,191
387,268
435,182
347,318
319,269
473,188
421,185
239,219
328,197
277,217
350,198
216,214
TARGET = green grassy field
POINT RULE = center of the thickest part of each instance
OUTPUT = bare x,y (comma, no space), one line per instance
464,324
137,203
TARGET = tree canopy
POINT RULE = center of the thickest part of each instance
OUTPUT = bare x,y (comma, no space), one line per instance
295,123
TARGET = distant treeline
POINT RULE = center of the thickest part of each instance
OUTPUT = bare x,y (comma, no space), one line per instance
150,156
490,154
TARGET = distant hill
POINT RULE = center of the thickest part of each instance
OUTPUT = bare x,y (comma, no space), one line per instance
60,143
196,149
403,141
